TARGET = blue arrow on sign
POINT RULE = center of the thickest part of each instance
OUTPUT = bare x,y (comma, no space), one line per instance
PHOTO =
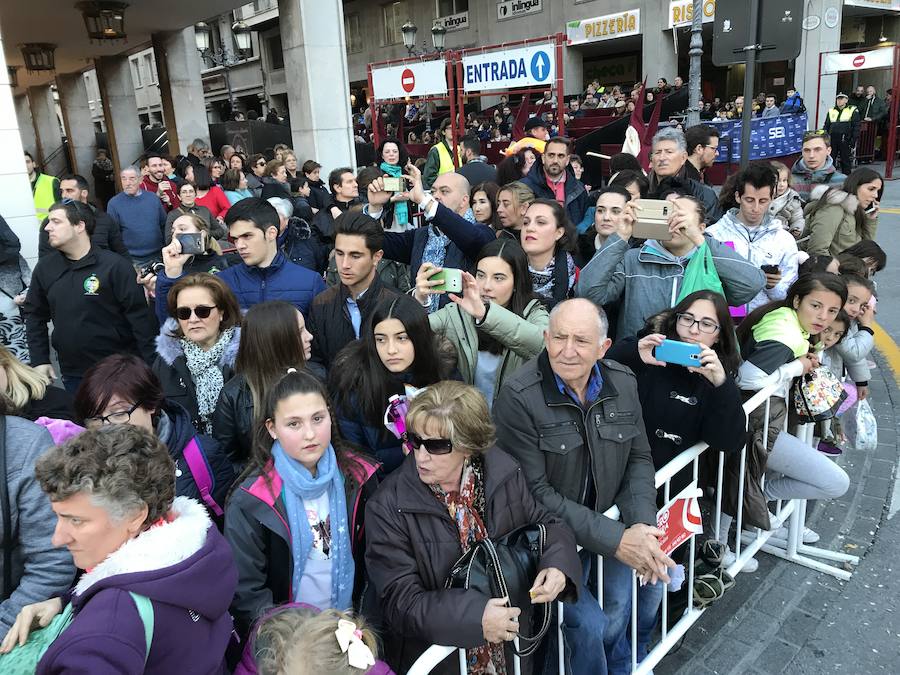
540,66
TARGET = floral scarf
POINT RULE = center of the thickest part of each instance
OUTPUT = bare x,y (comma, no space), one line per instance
542,280
467,507
206,374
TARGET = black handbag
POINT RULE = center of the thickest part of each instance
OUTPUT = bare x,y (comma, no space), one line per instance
506,567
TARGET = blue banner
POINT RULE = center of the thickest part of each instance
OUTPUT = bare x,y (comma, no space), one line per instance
769,137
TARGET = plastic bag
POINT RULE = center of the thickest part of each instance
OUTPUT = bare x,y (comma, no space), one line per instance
860,427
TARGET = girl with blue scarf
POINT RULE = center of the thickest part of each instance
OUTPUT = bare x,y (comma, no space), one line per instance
295,522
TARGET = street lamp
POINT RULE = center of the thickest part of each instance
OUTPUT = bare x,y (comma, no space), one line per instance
221,56
103,19
438,35
39,56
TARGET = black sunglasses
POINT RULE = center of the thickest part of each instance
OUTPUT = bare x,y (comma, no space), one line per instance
202,312
433,446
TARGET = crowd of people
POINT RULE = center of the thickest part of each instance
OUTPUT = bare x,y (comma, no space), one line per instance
290,405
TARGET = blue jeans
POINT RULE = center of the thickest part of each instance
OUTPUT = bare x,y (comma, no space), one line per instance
584,625
71,382
617,606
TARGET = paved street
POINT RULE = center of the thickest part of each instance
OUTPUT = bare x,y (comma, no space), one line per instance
788,619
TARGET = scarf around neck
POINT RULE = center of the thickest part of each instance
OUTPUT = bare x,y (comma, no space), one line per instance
401,209
299,485
206,374
542,280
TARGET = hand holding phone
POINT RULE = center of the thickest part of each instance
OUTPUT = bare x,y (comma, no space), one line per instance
191,243
451,280
681,353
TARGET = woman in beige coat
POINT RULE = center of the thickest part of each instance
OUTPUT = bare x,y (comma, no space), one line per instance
838,218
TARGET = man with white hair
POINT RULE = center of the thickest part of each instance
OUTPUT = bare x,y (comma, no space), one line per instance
573,421
141,217
668,173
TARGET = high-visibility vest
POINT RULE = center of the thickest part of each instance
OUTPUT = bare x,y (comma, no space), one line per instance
844,115
43,195
446,158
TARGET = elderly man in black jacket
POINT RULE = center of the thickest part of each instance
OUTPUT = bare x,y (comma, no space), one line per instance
553,178
573,420
668,173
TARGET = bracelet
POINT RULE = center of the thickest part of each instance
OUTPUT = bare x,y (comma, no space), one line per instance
479,322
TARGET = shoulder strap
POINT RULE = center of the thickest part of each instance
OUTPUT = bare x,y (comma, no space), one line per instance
145,609
200,471
5,506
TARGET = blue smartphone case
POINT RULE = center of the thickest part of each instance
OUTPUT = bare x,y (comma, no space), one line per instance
682,353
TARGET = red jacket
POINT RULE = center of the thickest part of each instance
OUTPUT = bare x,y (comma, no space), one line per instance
216,201
150,185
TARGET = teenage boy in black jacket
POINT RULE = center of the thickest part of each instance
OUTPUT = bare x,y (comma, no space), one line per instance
91,296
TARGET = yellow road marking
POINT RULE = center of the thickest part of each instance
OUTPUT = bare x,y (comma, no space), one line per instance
889,210
888,348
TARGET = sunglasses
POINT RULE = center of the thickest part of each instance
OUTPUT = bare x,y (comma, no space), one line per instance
202,312
433,446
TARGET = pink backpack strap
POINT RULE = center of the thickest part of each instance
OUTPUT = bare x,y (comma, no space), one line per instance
200,471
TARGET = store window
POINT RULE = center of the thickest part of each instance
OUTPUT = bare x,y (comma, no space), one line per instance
393,16
150,68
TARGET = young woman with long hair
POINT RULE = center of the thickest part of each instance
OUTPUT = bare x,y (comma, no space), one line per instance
483,200
547,238
29,392
838,218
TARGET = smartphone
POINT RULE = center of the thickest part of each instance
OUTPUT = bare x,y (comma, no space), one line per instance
871,209
770,269
452,280
190,243
394,184
682,353
653,219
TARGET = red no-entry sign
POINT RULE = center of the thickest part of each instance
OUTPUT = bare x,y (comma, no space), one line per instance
408,80
859,60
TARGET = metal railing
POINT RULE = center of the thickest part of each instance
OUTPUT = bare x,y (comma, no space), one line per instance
747,544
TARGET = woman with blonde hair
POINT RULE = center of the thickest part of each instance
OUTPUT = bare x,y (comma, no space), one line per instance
30,392
513,200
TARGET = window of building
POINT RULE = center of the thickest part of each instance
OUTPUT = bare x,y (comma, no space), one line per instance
136,73
448,7
351,33
150,68
393,16
276,58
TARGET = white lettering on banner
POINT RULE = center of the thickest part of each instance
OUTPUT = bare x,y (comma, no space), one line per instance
681,12
606,27
512,9
835,62
524,67
418,78
777,132
454,21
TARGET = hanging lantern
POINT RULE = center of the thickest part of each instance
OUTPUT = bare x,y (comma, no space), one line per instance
39,56
409,31
202,36
241,36
103,19
13,74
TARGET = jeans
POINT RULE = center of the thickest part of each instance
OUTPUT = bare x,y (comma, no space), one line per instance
806,472
617,606
71,382
584,625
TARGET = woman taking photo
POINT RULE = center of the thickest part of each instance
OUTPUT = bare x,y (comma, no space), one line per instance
198,345
29,392
187,193
512,203
483,199
234,183
397,351
273,339
604,218
392,160
295,524
497,324
454,490
158,575
547,236
838,218
209,194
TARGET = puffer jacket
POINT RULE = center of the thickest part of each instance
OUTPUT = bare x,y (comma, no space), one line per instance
788,208
851,354
522,336
831,222
649,279
256,526
172,370
766,244
568,453
413,543
804,180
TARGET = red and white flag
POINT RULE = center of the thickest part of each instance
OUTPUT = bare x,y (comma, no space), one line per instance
639,134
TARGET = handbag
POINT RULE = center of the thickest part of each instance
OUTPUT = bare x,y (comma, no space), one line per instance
817,395
700,274
506,567
861,428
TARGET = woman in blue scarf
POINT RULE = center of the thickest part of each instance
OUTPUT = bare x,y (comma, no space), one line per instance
295,522
394,158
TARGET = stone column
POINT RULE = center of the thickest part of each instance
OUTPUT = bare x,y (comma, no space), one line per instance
16,203
26,124
76,111
318,87
806,67
123,126
658,58
180,88
51,159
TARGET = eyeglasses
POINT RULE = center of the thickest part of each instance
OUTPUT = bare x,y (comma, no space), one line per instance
433,446
202,312
120,417
705,325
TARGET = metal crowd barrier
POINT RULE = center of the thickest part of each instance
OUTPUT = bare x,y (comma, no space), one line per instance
747,544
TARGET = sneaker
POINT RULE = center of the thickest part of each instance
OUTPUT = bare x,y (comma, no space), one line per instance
829,449
728,560
809,536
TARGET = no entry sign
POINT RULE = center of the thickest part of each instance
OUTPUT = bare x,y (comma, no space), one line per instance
833,62
408,80
422,78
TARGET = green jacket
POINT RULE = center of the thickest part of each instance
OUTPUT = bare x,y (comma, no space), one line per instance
831,225
522,336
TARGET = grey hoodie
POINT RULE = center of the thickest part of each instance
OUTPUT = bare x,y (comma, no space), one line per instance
40,571
649,279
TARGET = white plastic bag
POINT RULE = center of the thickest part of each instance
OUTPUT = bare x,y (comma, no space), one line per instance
860,426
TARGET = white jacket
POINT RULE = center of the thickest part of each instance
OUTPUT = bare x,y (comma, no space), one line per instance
767,244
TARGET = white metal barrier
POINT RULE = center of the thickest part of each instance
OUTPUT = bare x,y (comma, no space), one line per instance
747,544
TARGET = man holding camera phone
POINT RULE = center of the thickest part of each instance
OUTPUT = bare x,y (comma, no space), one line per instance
649,277
757,235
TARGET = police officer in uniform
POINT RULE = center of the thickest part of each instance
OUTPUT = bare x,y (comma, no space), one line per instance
842,123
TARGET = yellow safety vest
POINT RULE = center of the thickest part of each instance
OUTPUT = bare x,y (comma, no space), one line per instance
845,115
446,158
43,195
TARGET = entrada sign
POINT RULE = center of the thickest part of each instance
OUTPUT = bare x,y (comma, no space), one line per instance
524,67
